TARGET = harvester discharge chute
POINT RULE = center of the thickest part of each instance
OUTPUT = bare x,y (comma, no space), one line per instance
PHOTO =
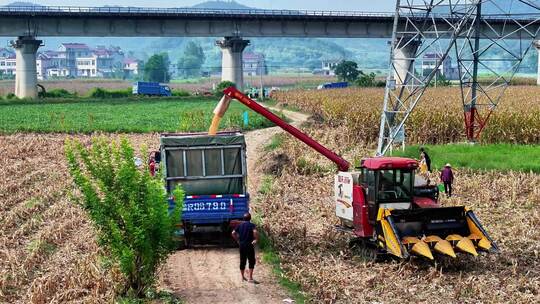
428,231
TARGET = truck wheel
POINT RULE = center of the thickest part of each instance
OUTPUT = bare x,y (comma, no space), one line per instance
187,236
226,239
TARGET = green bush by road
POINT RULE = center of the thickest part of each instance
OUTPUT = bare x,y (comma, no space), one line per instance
137,115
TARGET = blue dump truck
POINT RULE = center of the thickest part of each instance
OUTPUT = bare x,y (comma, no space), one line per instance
151,89
212,171
333,85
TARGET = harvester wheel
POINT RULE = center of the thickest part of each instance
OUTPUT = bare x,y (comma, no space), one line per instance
365,250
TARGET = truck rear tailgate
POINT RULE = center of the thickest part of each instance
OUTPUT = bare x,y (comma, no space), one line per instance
212,209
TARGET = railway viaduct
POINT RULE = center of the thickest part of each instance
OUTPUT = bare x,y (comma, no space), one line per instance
27,24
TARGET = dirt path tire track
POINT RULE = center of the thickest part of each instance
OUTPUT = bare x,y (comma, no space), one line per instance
210,275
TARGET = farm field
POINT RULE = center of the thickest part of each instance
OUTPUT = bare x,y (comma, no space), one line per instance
48,251
437,119
83,86
121,115
300,221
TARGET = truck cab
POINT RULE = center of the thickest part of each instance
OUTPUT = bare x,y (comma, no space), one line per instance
213,173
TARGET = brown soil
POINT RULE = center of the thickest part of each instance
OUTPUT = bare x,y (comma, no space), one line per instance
211,275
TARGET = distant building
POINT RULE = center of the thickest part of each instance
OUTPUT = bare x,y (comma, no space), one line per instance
254,64
51,64
112,57
73,60
131,67
430,61
57,72
72,51
328,66
86,66
8,66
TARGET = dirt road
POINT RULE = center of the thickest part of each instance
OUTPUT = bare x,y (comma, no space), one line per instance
211,275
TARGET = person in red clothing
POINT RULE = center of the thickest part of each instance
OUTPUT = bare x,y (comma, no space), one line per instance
447,177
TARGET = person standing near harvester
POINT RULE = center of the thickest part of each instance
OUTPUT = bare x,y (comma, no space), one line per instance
424,155
246,235
447,177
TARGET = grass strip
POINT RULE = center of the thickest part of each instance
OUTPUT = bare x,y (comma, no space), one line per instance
500,157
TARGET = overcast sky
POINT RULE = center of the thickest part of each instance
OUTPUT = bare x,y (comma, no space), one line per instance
358,5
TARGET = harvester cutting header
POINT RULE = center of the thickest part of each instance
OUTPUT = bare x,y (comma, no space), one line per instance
384,205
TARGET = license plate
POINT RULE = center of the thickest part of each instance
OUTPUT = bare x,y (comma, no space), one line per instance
206,206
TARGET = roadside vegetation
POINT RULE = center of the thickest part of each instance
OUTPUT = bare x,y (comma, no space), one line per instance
121,115
270,255
128,208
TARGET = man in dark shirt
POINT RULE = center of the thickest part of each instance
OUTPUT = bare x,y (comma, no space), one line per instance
246,236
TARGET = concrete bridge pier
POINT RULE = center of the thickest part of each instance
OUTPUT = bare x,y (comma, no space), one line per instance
26,72
404,55
231,64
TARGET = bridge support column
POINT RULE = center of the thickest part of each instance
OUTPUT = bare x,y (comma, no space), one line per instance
404,56
231,64
26,71
537,46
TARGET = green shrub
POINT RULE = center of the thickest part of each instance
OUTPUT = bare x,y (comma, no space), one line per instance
128,208
57,93
222,86
440,81
103,93
180,93
366,80
11,96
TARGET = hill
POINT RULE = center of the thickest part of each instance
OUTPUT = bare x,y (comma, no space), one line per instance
22,3
221,5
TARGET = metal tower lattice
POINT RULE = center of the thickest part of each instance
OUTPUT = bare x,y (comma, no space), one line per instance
487,36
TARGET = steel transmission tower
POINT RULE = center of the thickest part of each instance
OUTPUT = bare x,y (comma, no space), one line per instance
487,36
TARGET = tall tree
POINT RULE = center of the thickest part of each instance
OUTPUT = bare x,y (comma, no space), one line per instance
156,69
192,59
347,71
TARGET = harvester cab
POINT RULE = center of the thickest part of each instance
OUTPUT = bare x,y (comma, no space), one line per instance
383,206
386,208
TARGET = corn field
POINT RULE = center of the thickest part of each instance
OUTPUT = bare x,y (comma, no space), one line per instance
300,220
48,252
437,119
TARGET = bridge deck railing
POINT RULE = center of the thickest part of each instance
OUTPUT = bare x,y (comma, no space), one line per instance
149,11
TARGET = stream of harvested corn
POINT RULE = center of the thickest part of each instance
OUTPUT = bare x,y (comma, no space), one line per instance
215,125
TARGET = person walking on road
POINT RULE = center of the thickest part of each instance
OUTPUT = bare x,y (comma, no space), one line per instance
425,156
447,177
246,235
